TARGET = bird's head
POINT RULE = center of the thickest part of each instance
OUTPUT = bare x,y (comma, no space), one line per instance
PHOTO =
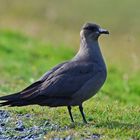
92,31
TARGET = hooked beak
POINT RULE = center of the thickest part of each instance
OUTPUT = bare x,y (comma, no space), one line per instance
103,31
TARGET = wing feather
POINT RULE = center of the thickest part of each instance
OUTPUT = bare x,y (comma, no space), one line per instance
64,82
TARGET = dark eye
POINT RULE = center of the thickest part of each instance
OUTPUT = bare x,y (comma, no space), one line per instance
91,28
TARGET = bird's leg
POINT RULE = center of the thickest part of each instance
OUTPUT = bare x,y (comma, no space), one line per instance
82,113
69,109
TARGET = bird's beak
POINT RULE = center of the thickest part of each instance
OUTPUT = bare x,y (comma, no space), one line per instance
103,31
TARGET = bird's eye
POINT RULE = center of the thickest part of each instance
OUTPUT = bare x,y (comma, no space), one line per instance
94,29
91,28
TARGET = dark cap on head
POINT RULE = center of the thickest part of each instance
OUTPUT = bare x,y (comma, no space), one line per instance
90,26
94,28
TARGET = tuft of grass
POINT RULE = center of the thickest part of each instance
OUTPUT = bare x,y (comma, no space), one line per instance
114,113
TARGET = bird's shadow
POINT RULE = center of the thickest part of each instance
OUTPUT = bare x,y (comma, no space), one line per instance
117,124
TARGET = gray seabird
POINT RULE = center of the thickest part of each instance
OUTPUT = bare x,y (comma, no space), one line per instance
69,83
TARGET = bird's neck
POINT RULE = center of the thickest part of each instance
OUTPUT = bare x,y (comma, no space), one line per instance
89,51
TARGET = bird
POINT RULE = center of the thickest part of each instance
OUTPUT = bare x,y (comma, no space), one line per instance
71,82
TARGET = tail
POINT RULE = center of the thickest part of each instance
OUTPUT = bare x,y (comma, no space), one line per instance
23,98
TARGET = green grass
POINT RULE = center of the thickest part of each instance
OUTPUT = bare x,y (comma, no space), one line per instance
60,23
114,112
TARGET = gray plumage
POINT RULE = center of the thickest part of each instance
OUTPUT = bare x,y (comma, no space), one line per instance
70,83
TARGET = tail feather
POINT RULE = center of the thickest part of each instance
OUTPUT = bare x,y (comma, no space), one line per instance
22,98
14,103
10,97
7,103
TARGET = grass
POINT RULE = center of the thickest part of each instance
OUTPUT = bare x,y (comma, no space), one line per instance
114,113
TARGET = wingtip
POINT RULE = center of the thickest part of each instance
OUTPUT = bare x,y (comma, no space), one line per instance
4,104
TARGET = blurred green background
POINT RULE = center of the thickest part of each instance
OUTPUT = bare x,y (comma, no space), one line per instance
60,22
35,35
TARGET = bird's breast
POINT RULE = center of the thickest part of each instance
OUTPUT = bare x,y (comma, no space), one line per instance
90,88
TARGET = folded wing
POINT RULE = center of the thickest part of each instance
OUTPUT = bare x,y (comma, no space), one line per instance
61,82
